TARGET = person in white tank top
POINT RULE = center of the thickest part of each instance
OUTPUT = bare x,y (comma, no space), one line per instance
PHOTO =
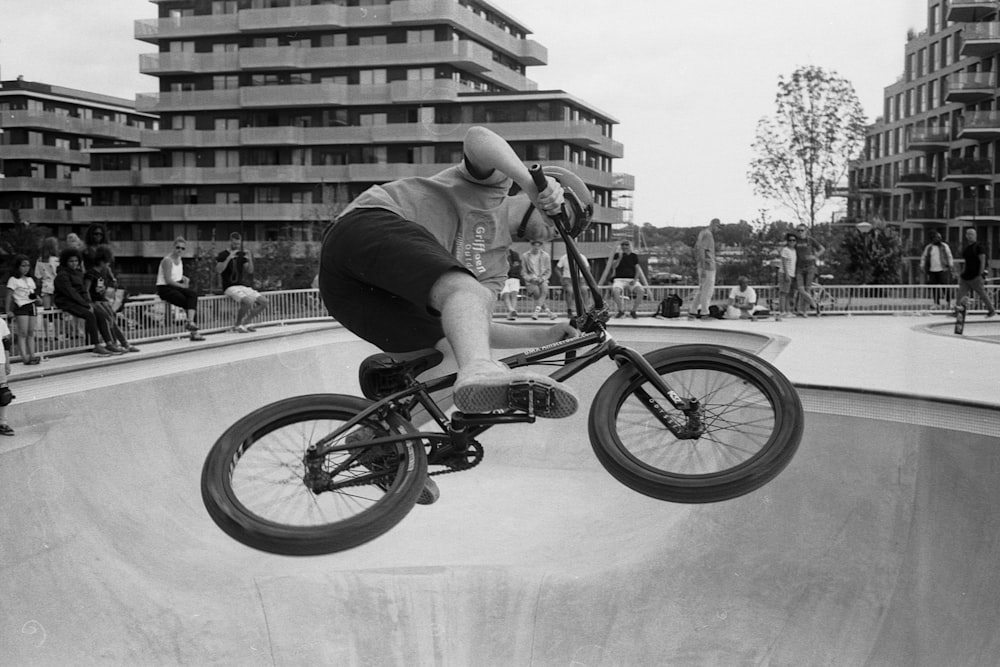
174,287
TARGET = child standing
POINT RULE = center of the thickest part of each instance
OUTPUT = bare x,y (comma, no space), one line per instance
6,396
20,304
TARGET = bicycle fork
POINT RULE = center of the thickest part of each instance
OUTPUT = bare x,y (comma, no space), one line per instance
694,426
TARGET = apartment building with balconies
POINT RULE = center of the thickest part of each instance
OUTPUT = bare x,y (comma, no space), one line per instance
930,162
46,135
274,114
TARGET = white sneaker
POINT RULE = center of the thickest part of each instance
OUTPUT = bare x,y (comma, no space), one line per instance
538,311
487,386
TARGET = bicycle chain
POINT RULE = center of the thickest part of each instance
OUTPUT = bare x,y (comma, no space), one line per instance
475,449
468,464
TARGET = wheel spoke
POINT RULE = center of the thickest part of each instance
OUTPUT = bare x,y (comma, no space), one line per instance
737,416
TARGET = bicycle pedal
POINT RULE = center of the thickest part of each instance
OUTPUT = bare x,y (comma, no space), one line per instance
531,397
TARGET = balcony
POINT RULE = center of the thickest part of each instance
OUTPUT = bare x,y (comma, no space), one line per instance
39,216
190,138
159,64
320,94
37,153
47,120
921,214
917,180
971,11
105,214
971,209
929,139
123,178
869,184
188,100
154,30
980,40
980,125
970,87
56,186
968,171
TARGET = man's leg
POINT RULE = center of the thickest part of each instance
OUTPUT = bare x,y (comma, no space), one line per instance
241,314
483,384
616,297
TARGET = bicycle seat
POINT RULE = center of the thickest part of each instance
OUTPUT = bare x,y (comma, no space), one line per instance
385,373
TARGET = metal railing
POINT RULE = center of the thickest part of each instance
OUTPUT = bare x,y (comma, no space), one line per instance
834,299
148,319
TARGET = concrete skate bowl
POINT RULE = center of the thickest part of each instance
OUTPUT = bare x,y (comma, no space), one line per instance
877,545
976,329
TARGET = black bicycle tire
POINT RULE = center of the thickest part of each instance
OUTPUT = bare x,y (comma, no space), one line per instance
242,525
725,484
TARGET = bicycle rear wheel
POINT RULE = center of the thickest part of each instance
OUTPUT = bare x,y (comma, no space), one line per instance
254,481
751,414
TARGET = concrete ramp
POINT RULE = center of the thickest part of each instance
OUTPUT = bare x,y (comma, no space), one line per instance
876,546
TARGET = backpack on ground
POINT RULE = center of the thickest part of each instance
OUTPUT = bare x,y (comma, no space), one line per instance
670,306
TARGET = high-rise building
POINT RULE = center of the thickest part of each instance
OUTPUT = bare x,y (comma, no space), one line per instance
46,133
276,113
930,162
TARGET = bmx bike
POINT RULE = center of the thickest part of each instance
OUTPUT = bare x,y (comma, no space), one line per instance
321,473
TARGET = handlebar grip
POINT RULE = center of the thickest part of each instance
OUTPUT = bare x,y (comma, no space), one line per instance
538,177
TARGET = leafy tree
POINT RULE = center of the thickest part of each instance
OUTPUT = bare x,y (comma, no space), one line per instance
872,258
805,146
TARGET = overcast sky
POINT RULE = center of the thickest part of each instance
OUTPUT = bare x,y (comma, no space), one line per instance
686,80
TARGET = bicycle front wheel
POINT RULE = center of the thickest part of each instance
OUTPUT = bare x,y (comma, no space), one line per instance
258,487
750,414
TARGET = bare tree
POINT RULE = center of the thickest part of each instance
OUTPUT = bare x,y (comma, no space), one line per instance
817,127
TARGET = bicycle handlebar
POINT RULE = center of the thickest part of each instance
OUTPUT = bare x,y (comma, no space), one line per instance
575,258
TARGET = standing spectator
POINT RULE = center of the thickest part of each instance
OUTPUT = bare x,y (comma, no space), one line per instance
45,277
704,254
937,264
807,251
627,278
76,243
236,266
566,280
512,285
786,275
535,273
742,303
22,296
6,395
173,286
94,281
95,235
45,269
71,296
971,278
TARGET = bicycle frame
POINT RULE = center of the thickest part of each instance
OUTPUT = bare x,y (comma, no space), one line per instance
457,431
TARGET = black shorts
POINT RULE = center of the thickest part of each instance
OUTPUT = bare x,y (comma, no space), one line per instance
27,310
376,271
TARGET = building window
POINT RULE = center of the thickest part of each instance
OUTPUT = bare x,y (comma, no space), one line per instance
371,76
370,119
372,40
420,74
225,82
227,158
419,36
374,155
223,124
182,122
224,7
267,194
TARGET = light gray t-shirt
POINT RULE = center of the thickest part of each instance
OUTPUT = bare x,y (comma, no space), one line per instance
466,215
